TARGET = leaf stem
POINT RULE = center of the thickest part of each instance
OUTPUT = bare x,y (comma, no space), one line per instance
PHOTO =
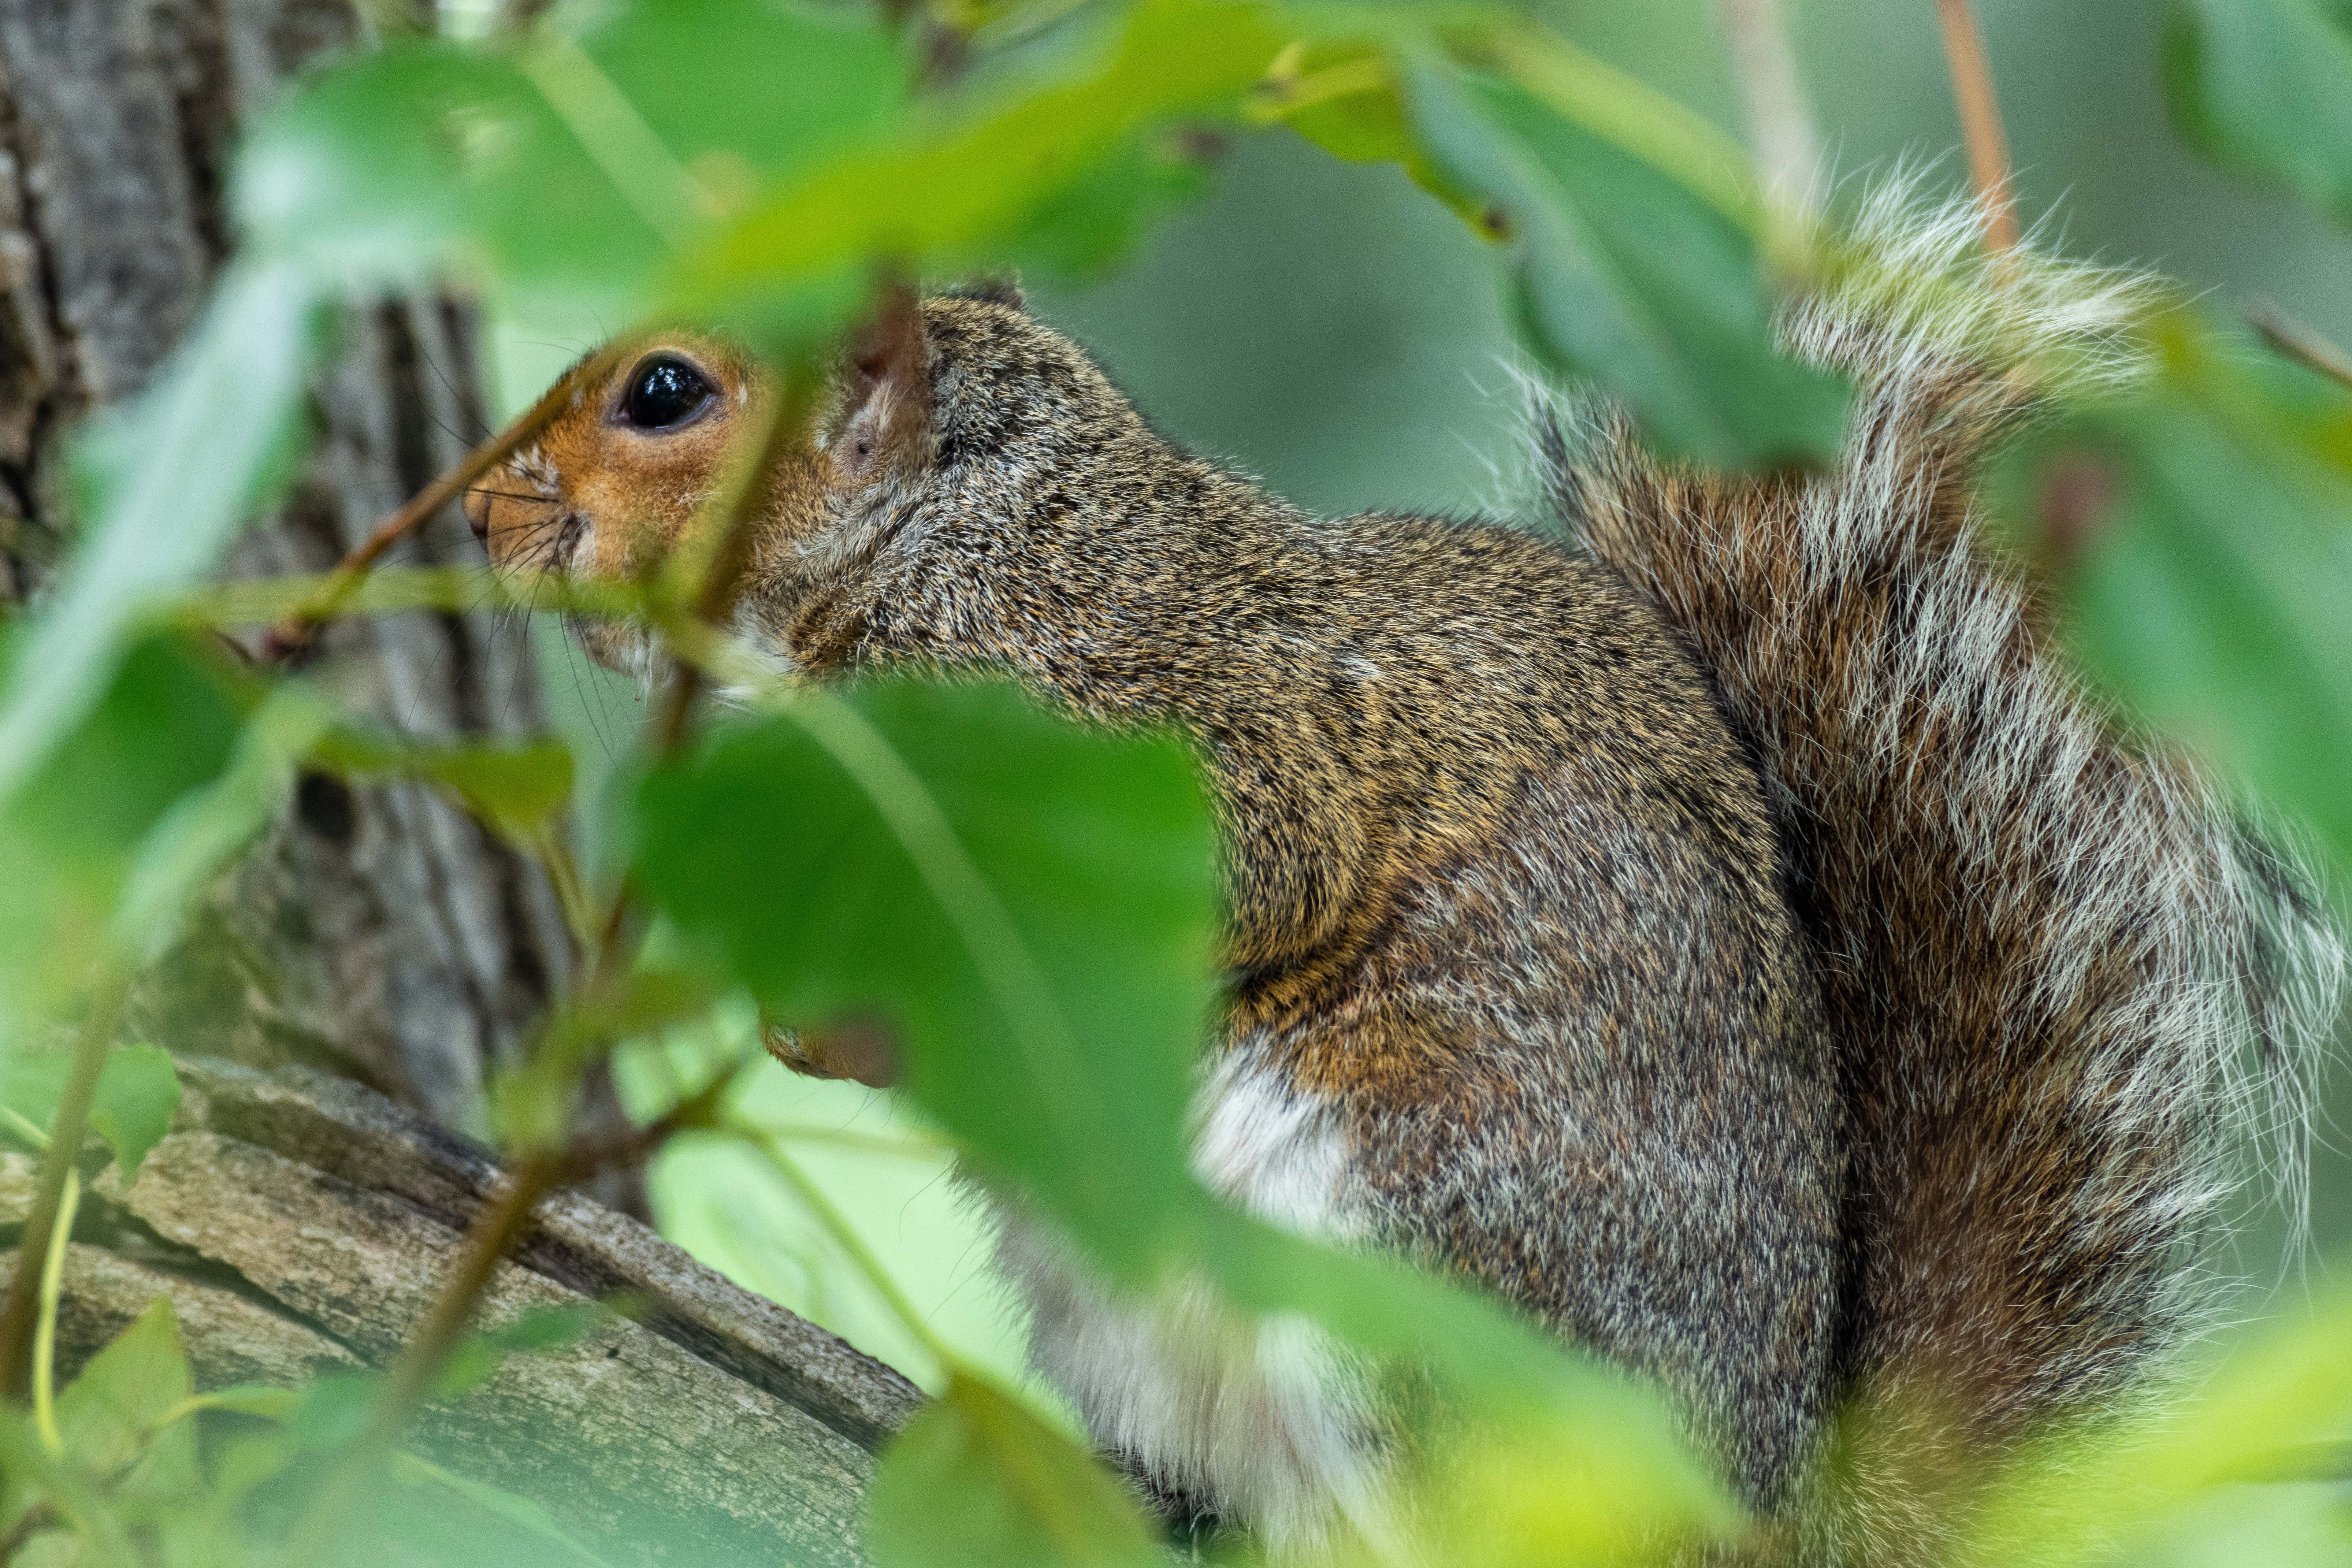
292,637
44,1330
21,1126
845,1236
904,1146
1987,143
18,1319
571,887
721,536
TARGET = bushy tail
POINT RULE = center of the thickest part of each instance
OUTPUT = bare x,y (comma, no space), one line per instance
2065,975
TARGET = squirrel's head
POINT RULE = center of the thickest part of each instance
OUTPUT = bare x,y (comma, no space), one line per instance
937,418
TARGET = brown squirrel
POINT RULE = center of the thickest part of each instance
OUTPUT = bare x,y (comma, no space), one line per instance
1723,929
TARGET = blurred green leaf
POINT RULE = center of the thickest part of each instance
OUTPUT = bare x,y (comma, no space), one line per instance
978,1481
1622,272
167,723
1027,905
567,165
1098,218
191,458
958,191
209,827
774,84
519,790
138,1092
2085,1492
1607,1436
109,1416
2264,87
30,1473
1349,98
332,1411
410,1470
2211,594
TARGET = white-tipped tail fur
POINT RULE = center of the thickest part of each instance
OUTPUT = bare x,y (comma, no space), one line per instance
2072,983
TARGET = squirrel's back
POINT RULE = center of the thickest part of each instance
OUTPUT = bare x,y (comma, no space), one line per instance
2067,979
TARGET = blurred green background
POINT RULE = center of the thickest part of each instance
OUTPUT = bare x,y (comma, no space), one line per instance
1333,330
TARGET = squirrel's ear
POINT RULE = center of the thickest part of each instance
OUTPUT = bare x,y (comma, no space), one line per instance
996,288
890,390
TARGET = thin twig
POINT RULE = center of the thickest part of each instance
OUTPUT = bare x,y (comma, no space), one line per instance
2298,342
698,1110
292,637
23,1312
412,1376
1988,144
733,513
37,1519
1780,122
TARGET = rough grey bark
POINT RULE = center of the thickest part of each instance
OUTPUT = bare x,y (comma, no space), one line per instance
300,1224
379,930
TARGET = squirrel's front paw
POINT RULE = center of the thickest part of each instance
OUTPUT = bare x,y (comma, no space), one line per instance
859,1047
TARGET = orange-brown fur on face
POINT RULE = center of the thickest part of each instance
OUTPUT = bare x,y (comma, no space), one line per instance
595,496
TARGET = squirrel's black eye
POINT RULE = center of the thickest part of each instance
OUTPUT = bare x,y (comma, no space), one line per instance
664,392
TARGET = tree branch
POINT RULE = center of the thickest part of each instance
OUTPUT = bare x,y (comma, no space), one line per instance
1987,143
2287,336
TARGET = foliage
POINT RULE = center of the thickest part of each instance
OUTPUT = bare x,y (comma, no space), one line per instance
1024,910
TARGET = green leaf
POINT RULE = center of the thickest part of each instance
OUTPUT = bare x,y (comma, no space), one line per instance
2264,87
110,1415
333,1410
978,1481
1098,219
142,803
571,165
166,723
1349,98
1625,273
519,790
775,84
137,1094
1497,1367
2211,594
193,457
959,193
410,1470
1028,907
30,1473
2092,1493
210,826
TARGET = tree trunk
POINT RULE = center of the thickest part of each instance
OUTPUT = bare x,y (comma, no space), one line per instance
299,1224
380,932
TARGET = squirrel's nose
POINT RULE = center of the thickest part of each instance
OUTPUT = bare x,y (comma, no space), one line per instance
477,512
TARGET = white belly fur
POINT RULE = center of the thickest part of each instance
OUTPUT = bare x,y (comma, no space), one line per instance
1269,1422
